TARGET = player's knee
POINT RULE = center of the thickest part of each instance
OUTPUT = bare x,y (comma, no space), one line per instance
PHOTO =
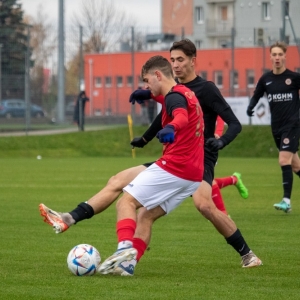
116,183
205,208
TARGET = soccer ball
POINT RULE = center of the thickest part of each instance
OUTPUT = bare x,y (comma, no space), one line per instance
83,260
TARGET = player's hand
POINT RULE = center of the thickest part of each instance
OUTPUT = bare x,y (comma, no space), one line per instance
139,96
138,142
167,134
214,144
250,111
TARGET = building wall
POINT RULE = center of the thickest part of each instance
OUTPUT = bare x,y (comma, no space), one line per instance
246,16
114,99
176,15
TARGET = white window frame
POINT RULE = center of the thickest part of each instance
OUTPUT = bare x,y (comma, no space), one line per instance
218,75
199,15
98,82
129,80
108,81
119,84
250,74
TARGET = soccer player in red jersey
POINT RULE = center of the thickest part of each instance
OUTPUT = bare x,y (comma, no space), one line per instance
176,174
214,104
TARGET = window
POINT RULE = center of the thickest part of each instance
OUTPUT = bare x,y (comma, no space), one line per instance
129,81
235,79
266,11
119,81
199,14
250,78
98,82
108,81
198,44
219,79
203,74
224,13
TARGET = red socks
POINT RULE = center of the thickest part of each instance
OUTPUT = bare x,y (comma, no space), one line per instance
140,246
225,181
217,199
126,230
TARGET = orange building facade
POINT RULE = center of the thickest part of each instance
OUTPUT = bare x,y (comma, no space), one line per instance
109,81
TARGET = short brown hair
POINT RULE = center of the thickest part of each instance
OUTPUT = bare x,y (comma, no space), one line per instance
279,44
186,46
157,62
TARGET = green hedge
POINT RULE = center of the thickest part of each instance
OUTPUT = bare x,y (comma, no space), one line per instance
253,141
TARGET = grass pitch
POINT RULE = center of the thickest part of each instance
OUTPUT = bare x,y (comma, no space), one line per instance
188,259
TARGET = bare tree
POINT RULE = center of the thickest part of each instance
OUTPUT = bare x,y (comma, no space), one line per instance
42,43
104,25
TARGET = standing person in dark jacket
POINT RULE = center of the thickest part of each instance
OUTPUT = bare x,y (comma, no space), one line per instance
79,110
282,88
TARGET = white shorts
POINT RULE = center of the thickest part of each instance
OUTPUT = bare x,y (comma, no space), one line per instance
156,187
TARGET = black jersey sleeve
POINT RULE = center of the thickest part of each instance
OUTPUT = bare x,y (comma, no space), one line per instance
174,100
234,126
156,126
258,92
213,98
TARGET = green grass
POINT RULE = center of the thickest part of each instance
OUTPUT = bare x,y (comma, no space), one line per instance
188,259
253,141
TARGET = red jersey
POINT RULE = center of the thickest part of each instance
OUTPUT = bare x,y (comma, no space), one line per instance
184,157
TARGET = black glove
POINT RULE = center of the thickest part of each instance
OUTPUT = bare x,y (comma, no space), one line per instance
139,96
250,111
138,142
214,144
167,134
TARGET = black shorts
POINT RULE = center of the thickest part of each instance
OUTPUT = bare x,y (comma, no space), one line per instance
210,160
288,140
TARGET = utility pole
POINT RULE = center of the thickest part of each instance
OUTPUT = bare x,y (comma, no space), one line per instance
81,83
132,72
283,20
27,83
0,72
61,66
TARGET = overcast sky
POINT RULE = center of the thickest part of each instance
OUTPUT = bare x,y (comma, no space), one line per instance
147,13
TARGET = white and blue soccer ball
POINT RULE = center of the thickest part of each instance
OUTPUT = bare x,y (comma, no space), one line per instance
83,260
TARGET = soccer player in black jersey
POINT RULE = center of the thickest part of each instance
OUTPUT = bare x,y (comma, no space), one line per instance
282,89
183,59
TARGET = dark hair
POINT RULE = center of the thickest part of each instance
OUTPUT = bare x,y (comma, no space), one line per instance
157,62
186,46
279,44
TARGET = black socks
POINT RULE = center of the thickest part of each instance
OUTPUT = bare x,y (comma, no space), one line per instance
81,212
238,243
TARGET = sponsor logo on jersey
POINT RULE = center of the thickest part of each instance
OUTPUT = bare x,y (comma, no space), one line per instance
286,141
189,95
268,82
280,97
288,81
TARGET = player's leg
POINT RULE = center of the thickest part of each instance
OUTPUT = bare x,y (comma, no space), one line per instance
288,144
141,239
285,162
95,205
236,180
224,225
217,198
159,192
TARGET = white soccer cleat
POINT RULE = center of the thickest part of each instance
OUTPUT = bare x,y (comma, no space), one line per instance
250,260
112,263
